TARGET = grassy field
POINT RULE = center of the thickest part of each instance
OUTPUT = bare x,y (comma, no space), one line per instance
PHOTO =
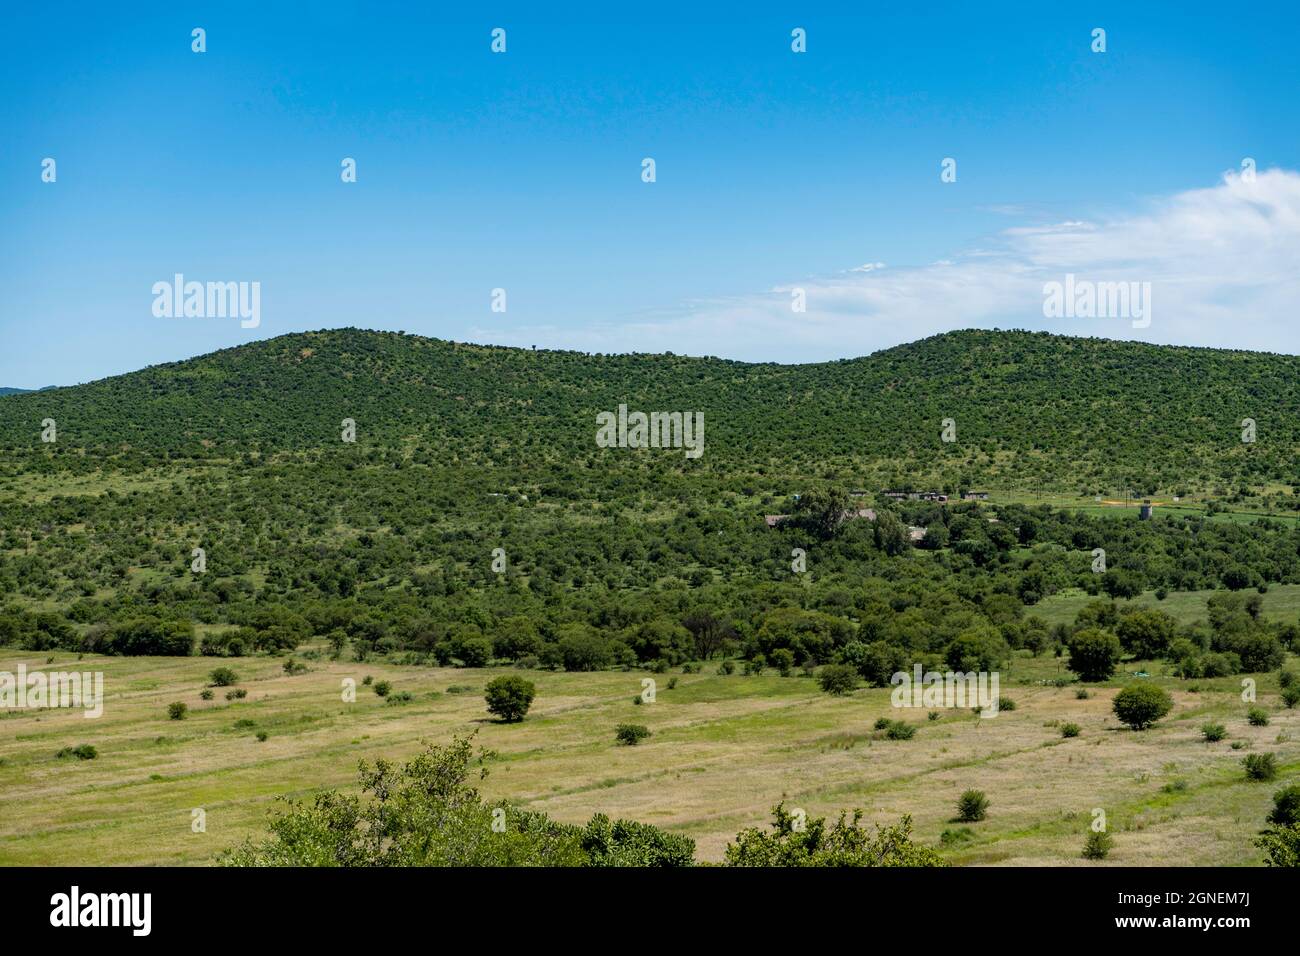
1281,603
724,749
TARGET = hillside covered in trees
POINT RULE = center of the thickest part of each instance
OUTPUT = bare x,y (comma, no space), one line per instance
1082,414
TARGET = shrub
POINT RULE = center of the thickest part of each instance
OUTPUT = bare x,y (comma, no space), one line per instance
205,694
1213,732
401,697
844,843
1006,703
1082,693
1281,845
382,688
950,837
223,677
838,679
262,735
367,680
726,668
1286,807
81,752
1141,705
627,843
1097,846
1257,716
783,660
1291,695
293,668
900,730
672,683
237,694
882,723
631,734
475,652
509,697
1260,766
176,710
1070,730
932,715
972,806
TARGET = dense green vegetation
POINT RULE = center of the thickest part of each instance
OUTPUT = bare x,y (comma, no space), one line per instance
213,507
610,557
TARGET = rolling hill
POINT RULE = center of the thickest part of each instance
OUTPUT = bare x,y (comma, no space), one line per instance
1077,414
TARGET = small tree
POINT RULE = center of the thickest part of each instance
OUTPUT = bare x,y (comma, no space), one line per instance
783,660
1286,807
972,806
838,679
509,697
631,734
223,677
176,710
1097,846
1094,654
1141,705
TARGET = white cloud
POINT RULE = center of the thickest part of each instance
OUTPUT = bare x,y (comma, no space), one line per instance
1223,263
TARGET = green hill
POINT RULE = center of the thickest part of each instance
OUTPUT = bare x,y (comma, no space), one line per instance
1074,414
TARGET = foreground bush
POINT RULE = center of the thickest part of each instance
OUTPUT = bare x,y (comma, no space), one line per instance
845,843
509,697
1281,845
1141,705
424,813
1286,807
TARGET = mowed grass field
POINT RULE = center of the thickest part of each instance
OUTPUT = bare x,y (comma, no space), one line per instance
724,749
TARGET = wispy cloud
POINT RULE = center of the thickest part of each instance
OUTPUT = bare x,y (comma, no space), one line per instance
1223,263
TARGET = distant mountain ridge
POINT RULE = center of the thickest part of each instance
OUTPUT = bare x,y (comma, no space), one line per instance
1030,406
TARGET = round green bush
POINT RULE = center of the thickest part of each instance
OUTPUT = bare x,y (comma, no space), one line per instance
509,697
223,677
838,679
1286,807
176,710
1070,730
1213,732
1141,705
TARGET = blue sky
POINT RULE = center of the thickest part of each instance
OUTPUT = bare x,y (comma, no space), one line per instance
522,171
